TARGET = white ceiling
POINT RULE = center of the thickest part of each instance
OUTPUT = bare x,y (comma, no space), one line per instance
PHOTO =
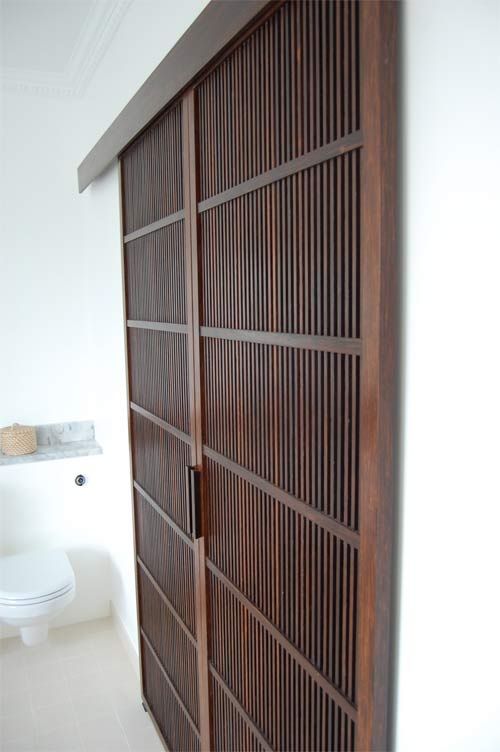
53,46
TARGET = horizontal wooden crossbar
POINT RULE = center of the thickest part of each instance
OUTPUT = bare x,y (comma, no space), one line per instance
158,326
312,158
161,423
343,345
164,222
292,502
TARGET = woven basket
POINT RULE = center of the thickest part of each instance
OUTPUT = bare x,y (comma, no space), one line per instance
17,440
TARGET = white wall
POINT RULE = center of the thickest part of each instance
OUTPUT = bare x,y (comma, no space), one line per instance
41,507
61,342
449,649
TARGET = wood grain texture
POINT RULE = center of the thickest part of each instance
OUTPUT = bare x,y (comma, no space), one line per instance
285,703
233,728
176,651
293,548
281,150
152,173
264,104
309,283
266,408
169,559
156,263
174,723
158,375
379,34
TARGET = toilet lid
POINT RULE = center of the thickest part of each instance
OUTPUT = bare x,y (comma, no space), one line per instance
39,575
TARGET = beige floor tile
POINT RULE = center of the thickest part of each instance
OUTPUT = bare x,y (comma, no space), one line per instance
65,739
109,653
144,740
17,726
50,692
40,673
15,657
67,649
20,745
78,686
54,717
118,673
103,734
80,667
14,676
133,717
126,695
14,702
78,692
40,655
92,704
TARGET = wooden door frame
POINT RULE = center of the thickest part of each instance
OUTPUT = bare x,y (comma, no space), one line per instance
379,365
217,29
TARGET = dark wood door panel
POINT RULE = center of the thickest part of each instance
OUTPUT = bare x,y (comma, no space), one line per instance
230,729
159,306
289,416
282,700
174,723
172,642
158,375
284,267
290,88
169,559
152,173
155,276
159,460
285,258
298,574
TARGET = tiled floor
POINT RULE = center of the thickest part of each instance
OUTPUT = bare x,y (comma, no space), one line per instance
77,692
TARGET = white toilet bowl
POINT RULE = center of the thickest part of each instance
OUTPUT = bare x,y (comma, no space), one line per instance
34,588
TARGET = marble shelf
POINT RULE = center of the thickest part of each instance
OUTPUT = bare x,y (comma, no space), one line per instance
57,441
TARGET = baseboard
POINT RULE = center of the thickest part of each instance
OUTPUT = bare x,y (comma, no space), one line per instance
125,639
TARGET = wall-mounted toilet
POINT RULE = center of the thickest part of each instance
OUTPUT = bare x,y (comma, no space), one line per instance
34,588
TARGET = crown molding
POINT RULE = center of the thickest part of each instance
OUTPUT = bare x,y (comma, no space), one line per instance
99,28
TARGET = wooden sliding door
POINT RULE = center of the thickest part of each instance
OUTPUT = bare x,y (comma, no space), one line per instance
279,168
259,255
157,267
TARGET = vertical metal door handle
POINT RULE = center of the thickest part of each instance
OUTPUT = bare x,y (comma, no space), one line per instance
193,493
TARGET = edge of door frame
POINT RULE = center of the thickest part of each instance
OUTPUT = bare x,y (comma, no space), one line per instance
379,367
